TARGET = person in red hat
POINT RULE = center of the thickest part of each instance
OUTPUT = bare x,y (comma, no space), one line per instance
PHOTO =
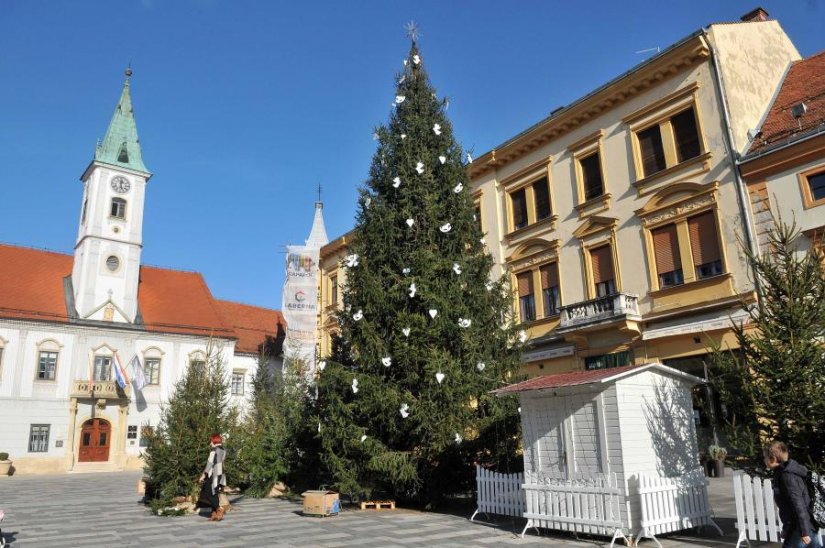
213,479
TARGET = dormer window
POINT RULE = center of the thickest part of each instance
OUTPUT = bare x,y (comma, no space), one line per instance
123,155
118,208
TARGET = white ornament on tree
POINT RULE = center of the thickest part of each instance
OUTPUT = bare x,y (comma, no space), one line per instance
464,322
433,313
322,365
490,285
442,159
522,336
419,167
437,129
480,366
363,438
404,410
352,260
401,80
457,268
413,289
458,438
396,182
406,331
354,385
439,377
374,135
483,241
405,62
445,228
416,59
469,158
410,222
387,361
403,136
358,315
367,202
399,99
458,188
319,427
405,271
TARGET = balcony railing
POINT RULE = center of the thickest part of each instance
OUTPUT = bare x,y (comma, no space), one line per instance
102,389
600,310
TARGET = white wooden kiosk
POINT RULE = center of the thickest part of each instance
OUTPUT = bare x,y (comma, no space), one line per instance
612,452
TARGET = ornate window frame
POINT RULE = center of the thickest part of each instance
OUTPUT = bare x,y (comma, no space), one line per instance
531,256
524,179
47,345
580,150
153,353
676,204
660,114
594,233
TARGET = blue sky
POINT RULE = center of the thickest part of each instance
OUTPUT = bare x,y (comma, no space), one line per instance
244,107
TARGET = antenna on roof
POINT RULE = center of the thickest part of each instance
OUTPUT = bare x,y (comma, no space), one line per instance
648,50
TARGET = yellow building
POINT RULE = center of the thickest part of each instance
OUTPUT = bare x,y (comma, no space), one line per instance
618,216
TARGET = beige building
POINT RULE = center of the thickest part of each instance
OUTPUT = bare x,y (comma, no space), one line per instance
618,216
784,167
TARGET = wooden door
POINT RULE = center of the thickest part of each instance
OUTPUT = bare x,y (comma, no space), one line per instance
95,438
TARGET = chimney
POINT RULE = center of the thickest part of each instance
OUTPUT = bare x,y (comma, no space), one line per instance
759,14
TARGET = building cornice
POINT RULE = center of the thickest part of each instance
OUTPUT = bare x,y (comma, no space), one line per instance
689,52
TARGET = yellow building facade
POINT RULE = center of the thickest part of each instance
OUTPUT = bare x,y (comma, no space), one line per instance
617,218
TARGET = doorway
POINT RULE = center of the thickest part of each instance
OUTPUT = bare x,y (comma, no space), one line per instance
95,438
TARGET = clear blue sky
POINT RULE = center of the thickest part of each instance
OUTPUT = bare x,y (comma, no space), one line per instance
244,107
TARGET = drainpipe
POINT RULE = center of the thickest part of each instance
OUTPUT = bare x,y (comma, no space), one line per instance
744,211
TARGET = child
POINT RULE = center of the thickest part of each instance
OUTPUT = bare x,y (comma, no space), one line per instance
790,492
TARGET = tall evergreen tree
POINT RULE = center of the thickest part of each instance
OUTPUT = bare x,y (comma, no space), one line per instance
404,402
773,384
178,447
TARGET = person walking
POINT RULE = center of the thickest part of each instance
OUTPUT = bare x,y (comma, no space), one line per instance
790,492
213,480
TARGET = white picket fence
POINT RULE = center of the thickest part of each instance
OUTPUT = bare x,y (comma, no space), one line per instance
672,504
583,504
757,517
499,493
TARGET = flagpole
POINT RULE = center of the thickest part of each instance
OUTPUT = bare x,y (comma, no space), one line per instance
92,382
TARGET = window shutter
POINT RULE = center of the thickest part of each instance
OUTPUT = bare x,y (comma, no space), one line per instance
704,243
602,263
666,248
525,284
549,275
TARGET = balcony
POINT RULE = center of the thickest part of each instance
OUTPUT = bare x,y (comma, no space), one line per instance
102,389
599,311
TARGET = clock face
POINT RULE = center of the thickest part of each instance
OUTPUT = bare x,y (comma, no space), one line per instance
121,185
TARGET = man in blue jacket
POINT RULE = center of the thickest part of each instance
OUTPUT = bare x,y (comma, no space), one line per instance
790,492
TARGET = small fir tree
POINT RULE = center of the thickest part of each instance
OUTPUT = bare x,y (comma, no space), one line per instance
404,402
178,447
772,386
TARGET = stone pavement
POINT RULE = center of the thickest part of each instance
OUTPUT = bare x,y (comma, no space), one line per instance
72,510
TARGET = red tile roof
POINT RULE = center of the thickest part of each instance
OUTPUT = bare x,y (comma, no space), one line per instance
252,324
170,301
576,378
805,82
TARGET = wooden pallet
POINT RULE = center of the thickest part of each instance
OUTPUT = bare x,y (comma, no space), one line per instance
378,504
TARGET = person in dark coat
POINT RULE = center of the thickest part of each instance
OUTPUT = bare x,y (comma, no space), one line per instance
213,480
790,492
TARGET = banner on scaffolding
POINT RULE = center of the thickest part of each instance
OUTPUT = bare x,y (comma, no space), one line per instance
300,307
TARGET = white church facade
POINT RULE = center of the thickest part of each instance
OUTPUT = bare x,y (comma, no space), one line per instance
67,320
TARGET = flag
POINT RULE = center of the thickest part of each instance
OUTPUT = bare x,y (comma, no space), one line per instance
138,378
120,373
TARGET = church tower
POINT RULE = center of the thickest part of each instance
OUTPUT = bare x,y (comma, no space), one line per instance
106,267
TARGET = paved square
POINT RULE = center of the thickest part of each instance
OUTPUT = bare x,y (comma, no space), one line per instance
72,510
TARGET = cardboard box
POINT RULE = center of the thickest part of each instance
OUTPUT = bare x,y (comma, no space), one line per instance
321,503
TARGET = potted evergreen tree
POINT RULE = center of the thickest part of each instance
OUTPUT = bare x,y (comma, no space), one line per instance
5,464
717,455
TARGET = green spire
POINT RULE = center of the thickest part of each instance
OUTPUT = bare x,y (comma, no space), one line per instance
121,146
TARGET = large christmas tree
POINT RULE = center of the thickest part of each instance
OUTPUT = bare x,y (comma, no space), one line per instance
404,402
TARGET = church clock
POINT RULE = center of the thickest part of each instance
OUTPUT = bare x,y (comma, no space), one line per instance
120,184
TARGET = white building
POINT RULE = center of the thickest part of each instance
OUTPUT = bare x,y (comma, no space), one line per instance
64,319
